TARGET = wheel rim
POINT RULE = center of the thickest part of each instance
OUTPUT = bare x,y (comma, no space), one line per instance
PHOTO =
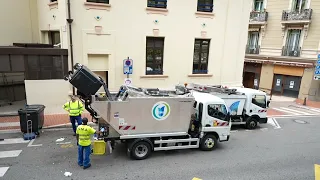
141,150
209,143
252,123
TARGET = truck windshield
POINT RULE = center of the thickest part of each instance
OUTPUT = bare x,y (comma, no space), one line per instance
259,100
218,111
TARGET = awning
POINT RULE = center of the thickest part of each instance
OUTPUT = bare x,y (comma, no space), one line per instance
284,63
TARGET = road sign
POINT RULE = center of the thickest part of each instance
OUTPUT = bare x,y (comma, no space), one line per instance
127,66
317,69
127,81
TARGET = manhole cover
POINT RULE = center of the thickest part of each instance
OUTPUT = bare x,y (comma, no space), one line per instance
300,121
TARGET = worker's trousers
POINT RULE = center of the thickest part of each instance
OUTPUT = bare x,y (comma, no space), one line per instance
75,119
84,155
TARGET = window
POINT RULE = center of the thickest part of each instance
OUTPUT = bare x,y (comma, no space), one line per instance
292,47
258,5
53,0
218,111
54,38
259,100
298,5
157,3
99,1
201,56
253,42
205,5
154,56
41,67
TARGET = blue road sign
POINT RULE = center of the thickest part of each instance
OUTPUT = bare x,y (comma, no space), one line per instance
317,67
318,62
127,66
317,72
318,56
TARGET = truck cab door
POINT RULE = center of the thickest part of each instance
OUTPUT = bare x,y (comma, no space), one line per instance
217,115
258,106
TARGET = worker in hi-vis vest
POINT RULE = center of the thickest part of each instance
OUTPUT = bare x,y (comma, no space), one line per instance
75,109
84,133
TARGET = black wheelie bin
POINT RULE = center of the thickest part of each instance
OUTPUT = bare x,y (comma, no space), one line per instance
34,113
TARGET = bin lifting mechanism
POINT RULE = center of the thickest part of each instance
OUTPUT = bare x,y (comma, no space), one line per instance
210,88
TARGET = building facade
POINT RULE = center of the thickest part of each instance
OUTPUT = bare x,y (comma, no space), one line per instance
282,47
167,43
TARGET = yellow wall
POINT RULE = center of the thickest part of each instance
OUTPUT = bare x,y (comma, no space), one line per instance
266,77
19,22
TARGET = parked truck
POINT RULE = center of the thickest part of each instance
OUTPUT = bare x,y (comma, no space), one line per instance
150,120
247,106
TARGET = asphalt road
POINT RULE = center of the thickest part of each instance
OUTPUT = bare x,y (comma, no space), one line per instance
289,152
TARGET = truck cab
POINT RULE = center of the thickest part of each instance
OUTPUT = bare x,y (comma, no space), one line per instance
213,115
256,104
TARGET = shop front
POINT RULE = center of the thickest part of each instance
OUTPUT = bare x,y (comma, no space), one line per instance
251,75
287,80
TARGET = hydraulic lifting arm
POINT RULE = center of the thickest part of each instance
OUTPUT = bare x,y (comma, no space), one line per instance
87,84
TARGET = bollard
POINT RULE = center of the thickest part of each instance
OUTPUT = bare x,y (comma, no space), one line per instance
305,101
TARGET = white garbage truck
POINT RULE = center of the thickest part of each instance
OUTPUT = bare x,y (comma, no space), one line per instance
150,120
246,106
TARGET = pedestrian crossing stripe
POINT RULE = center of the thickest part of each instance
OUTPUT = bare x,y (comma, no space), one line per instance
3,171
298,111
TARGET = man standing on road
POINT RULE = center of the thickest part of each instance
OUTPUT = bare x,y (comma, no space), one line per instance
84,143
75,109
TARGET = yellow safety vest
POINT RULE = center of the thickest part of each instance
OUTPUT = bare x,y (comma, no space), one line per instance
84,132
75,108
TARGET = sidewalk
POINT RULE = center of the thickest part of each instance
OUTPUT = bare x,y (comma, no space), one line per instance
52,120
313,104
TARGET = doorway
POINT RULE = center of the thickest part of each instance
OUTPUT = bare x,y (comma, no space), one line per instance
285,85
248,79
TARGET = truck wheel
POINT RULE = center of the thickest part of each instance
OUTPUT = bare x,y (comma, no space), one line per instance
208,143
140,150
251,123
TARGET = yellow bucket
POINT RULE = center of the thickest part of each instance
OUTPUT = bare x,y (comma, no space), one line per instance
99,147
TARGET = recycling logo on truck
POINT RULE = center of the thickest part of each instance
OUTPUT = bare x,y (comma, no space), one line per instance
160,111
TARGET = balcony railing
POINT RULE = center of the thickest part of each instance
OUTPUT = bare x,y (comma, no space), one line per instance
252,49
256,16
293,51
302,15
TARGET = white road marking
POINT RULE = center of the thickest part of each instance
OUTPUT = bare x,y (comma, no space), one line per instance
64,143
282,110
33,145
6,154
264,129
14,141
316,110
296,111
276,123
9,124
3,171
234,131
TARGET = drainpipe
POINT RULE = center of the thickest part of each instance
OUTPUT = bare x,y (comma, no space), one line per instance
69,20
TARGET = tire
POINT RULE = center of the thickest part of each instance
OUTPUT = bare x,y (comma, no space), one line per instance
251,123
209,142
140,150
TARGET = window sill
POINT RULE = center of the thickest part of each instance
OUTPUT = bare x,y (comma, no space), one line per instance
99,6
161,11
154,76
204,14
53,5
200,75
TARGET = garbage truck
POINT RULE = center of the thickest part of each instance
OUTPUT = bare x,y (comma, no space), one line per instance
247,106
150,119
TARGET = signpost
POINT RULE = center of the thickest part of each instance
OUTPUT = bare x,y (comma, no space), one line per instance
127,69
317,69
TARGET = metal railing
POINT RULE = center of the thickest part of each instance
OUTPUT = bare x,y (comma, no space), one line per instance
293,51
256,16
252,49
157,3
304,14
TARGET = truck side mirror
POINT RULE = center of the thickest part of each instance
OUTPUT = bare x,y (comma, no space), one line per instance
268,102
